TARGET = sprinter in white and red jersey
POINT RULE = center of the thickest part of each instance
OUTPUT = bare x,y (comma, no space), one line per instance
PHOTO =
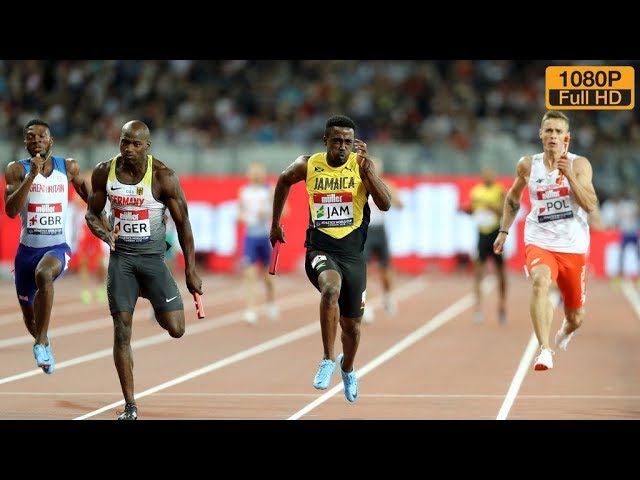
556,232
37,189
140,189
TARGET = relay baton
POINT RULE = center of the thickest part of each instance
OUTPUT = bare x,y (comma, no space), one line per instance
565,150
275,253
199,308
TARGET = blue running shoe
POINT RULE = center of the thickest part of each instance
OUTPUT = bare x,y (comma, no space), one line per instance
130,412
41,355
323,377
52,365
350,382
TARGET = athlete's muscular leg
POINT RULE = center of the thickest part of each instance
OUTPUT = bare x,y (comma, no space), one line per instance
49,267
330,283
574,317
29,319
540,307
350,340
172,322
122,354
572,283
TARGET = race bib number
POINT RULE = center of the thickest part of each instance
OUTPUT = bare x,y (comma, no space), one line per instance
134,225
44,219
333,209
554,203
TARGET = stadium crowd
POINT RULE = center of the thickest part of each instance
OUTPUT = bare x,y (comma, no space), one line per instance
453,106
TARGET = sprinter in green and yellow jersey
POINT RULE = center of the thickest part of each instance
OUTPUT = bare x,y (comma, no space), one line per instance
339,182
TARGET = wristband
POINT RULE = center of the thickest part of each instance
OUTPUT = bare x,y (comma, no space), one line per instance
503,231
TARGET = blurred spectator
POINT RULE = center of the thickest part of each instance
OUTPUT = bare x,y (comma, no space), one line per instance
376,248
622,211
486,206
449,108
255,199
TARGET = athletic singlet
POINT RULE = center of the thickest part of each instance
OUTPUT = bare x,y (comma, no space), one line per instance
44,214
256,201
556,222
338,208
140,215
484,202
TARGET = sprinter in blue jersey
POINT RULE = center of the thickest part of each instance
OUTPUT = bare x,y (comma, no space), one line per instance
37,189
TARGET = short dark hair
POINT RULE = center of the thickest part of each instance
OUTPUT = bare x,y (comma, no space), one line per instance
554,114
32,122
339,121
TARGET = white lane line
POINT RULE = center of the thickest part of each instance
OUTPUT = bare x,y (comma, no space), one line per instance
256,350
521,372
410,288
202,326
142,310
532,348
61,308
433,324
453,396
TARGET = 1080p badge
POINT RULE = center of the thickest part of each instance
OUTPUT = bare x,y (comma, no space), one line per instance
590,87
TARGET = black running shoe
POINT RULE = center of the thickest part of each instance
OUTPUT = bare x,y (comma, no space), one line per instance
130,412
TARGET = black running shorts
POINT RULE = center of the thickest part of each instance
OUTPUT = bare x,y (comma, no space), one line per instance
353,270
131,276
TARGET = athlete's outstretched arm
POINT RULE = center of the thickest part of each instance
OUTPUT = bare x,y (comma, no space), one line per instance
172,195
77,179
375,186
512,202
580,178
294,173
95,205
17,188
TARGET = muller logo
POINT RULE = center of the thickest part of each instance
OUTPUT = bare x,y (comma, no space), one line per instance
129,216
332,198
45,207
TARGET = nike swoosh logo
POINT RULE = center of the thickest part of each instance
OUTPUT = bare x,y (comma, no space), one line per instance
170,299
116,188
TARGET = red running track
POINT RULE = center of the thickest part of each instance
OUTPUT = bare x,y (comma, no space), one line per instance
430,362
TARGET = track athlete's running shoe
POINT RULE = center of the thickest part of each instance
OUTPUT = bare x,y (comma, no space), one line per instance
323,377
52,363
350,382
130,412
544,361
41,354
563,338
